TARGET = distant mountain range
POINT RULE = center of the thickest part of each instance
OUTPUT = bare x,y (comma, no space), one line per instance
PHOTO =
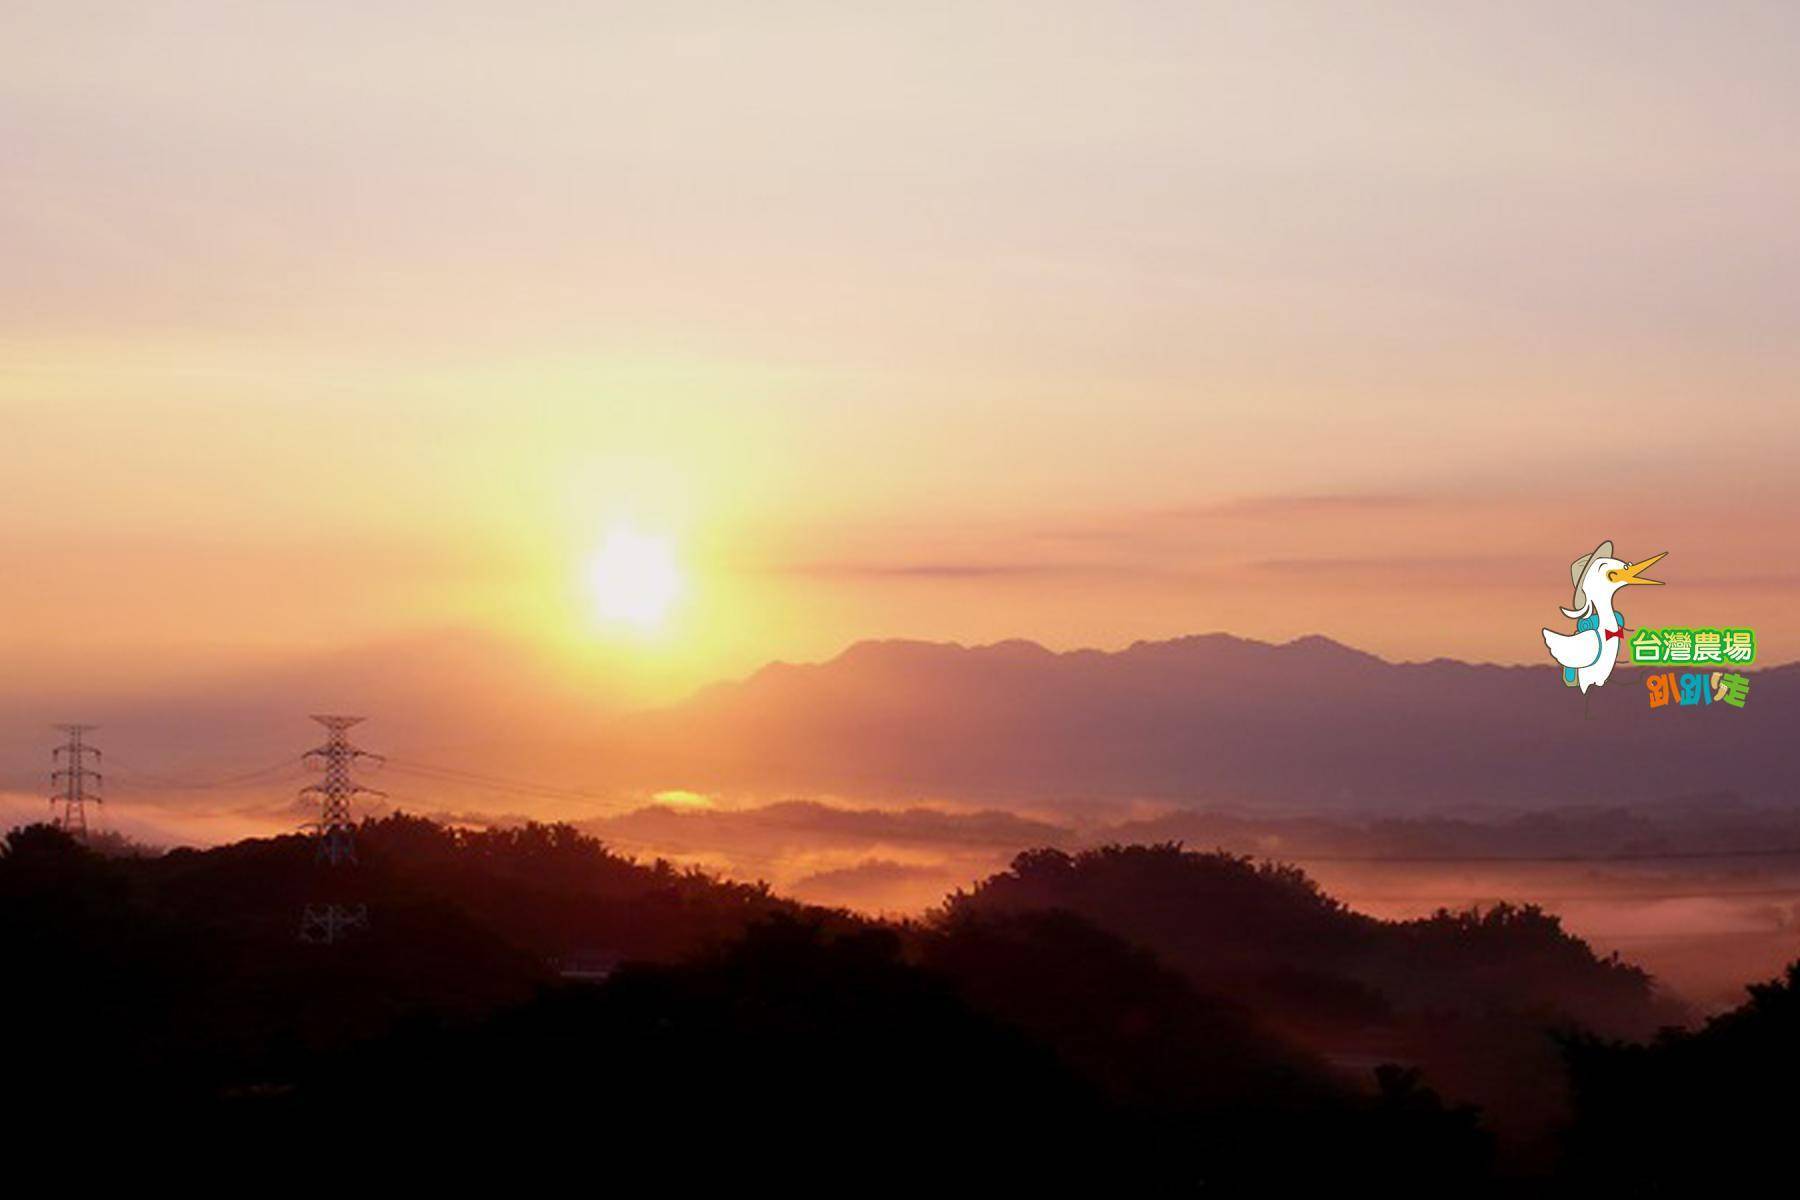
1213,719
1209,721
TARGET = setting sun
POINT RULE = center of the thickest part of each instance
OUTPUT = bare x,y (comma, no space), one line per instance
633,578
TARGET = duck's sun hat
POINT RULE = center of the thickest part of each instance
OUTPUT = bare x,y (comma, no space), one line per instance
1579,567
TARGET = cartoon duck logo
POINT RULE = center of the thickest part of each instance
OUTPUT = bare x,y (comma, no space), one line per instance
1587,655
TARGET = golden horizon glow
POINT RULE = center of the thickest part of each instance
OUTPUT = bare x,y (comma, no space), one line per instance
1121,323
681,799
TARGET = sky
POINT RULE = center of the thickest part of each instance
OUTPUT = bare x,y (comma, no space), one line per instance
334,326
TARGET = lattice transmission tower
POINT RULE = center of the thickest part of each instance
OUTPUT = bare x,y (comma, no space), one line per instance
72,782
336,825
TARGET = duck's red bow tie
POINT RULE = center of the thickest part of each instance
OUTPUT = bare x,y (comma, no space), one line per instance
1614,633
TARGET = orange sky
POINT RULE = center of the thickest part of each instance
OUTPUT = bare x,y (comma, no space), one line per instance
340,324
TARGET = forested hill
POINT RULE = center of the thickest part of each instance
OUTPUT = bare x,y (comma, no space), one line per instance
1159,1017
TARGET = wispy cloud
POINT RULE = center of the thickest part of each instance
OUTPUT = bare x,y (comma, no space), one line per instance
1229,516
936,570
1136,542
1521,568
1305,504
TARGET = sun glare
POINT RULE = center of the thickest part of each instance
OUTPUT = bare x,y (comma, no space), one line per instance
634,579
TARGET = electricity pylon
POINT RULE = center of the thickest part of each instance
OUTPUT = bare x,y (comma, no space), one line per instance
69,781
336,826
328,923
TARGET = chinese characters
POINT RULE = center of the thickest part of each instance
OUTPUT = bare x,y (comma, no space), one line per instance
1652,647
1693,689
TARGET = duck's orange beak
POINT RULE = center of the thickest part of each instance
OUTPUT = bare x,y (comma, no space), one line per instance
1629,574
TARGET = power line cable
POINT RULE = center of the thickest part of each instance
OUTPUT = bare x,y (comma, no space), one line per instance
518,787
153,781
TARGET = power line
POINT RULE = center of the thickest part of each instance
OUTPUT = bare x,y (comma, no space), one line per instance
405,764
155,781
521,787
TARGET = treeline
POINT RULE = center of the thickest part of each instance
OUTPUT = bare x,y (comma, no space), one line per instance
1134,1015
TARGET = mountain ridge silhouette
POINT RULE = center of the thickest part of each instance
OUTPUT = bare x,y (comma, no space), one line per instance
1208,718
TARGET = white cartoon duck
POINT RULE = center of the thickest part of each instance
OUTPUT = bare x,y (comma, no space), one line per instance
1587,655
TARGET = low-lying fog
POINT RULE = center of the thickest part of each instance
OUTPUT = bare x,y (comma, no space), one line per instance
1704,893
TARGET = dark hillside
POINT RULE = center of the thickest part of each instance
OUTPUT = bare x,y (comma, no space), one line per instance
1472,997
1136,1016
